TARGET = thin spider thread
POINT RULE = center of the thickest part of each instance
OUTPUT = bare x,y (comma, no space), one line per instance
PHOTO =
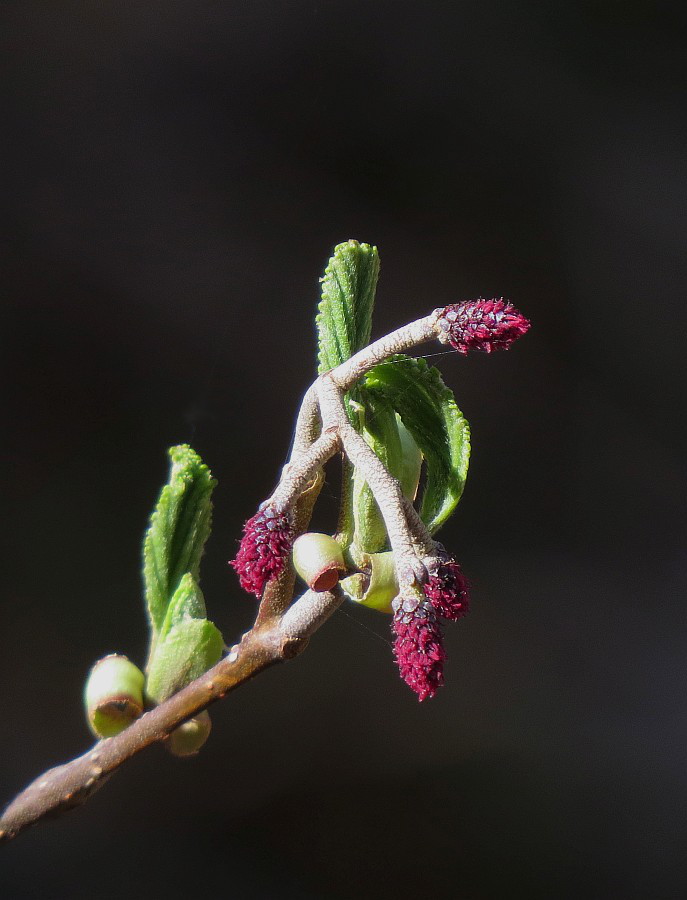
364,627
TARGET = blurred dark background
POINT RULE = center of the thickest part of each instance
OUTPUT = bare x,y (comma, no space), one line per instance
175,176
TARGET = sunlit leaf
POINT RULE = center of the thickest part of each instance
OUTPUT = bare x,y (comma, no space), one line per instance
429,411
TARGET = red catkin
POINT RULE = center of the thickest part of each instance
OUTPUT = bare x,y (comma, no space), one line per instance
485,325
265,546
447,590
418,645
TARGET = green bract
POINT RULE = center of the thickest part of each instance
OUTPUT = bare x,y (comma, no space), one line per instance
187,603
377,586
189,649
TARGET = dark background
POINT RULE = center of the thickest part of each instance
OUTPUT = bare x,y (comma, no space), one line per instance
176,176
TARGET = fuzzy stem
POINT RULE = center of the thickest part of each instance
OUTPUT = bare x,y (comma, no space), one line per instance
385,488
297,475
418,530
307,423
281,631
417,332
278,593
69,785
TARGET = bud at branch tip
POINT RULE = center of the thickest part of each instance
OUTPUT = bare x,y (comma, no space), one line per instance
485,325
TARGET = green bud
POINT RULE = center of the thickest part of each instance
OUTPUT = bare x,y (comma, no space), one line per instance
318,559
113,695
376,586
187,739
188,650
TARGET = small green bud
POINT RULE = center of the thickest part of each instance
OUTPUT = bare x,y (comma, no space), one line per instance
187,739
188,650
113,695
376,586
318,559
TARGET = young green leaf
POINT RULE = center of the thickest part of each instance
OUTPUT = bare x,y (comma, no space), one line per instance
344,316
178,529
411,462
187,603
379,428
190,648
344,325
428,410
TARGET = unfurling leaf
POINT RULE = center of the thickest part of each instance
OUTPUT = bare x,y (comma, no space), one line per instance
428,410
183,643
178,529
344,316
344,325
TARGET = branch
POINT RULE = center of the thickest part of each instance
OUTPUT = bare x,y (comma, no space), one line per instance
282,629
69,785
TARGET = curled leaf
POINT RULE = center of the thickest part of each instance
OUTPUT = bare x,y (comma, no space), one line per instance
429,411
344,316
179,528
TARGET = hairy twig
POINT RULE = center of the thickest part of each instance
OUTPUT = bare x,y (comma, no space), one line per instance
385,489
282,628
71,784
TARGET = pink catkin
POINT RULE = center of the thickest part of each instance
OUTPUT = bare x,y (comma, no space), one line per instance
266,543
448,591
418,646
485,325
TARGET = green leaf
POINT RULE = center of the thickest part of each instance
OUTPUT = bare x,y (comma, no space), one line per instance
190,648
344,316
379,428
428,410
178,529
411,462
344,324
187,603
